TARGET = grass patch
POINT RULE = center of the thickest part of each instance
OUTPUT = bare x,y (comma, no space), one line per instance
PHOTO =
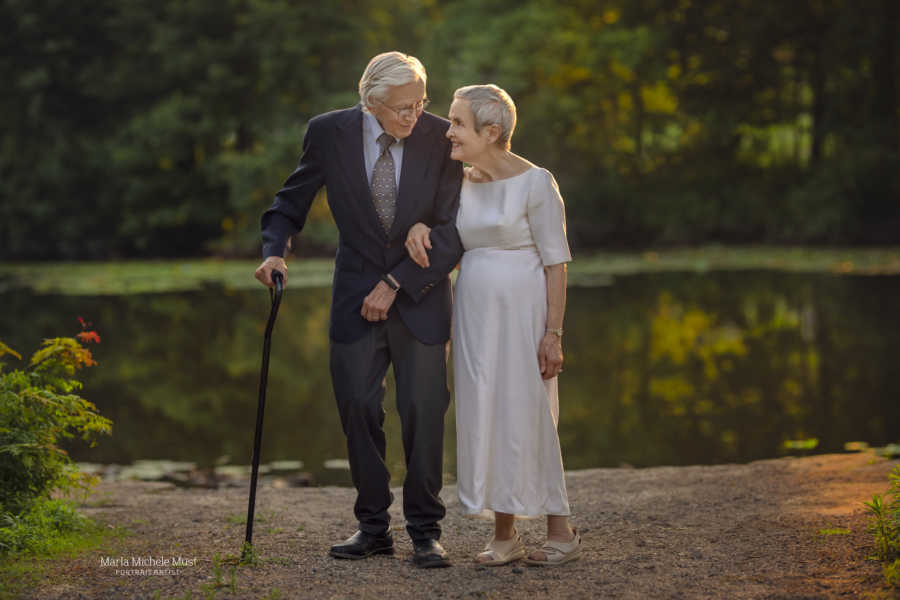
588,269
892,573
885,527
834,531
138,277
33,541
224,578
241,518
225,574
885,261
42,528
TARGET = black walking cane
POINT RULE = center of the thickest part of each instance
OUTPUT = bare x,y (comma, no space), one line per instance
277,278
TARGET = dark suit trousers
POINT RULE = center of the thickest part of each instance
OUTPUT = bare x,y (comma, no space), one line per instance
357,372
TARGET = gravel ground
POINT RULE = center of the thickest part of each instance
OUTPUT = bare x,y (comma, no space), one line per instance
729,531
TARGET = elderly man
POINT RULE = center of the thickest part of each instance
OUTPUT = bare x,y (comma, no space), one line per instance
386,165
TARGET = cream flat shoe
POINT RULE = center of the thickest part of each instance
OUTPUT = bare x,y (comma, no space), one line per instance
501,553
559,552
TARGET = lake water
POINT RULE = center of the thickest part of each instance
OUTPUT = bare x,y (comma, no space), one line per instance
661,369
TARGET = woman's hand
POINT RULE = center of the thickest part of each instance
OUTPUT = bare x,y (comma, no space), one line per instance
418,241
550,355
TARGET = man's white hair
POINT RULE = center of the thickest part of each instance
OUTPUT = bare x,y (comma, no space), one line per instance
388,70
491,105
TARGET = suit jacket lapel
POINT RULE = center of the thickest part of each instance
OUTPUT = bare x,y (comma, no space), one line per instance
416,152
350,150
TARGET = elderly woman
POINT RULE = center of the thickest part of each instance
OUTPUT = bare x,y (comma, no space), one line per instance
507,331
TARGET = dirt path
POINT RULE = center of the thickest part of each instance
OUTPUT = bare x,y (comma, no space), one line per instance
732,531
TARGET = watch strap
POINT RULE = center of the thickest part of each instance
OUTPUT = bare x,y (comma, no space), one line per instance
391,282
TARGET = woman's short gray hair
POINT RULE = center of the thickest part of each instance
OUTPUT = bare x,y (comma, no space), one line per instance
491,105
387,70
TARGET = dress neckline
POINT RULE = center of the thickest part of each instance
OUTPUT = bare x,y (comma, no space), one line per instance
501,180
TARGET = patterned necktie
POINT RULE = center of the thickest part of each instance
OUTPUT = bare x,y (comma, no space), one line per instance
384,183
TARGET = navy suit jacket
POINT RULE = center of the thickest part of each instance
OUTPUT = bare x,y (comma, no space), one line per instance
428,192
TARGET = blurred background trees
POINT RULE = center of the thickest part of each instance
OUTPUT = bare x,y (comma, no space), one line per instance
164,128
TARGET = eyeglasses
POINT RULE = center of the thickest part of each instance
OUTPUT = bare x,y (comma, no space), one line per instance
409,111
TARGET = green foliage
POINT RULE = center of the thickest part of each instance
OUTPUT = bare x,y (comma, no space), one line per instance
38,408
47,530
141,113
4,349
38,529
834,531
885,526
892,573
665,122
809,444
249,555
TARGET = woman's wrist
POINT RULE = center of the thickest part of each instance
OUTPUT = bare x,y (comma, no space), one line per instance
558,332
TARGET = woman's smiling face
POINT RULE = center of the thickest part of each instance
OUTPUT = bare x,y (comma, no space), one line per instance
466,143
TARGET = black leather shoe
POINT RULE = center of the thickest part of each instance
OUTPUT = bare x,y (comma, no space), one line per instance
429,555
362,544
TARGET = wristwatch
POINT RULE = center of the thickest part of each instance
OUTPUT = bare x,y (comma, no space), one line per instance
392,283
558,332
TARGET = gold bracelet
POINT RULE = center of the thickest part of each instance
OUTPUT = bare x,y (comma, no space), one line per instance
558,332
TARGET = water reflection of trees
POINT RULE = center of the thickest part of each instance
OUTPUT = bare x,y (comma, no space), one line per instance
661,369
179,375
698,369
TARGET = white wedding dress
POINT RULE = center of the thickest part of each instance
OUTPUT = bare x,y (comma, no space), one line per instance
508,454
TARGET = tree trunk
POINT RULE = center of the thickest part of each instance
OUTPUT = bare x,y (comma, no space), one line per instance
638,101
884,69
818,89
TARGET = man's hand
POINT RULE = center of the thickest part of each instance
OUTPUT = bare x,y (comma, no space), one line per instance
264,271
417,241
550,356
376,305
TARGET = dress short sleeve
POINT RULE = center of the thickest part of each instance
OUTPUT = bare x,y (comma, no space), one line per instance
547,219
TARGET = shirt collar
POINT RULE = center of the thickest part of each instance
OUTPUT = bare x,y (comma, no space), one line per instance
373,126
